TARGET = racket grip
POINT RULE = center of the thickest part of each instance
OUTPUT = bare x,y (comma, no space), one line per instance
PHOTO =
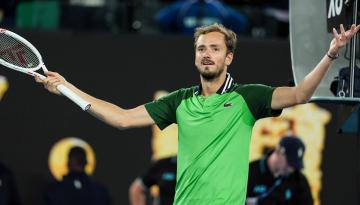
74,97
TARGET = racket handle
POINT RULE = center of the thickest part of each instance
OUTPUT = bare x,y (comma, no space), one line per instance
74,97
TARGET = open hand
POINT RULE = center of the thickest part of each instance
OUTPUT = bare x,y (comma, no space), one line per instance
341,39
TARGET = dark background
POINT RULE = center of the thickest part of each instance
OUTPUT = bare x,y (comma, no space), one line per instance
127,70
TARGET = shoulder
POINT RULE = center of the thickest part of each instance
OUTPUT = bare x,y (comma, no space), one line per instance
255,165
186,92
246,88
180,94
299,178
255,162
166,161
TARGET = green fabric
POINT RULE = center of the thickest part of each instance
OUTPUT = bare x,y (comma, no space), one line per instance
254,94
163,110
214,138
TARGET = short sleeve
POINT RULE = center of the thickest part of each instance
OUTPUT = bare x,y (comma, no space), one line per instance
163,110
258,98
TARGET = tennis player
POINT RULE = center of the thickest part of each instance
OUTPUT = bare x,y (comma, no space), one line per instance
215,118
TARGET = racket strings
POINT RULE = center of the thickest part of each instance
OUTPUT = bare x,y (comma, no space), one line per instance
17,53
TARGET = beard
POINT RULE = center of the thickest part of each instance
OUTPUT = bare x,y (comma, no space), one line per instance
210,75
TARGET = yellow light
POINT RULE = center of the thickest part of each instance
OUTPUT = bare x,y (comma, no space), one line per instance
58,156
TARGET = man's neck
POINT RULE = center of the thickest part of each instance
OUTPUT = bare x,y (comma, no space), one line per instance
211,87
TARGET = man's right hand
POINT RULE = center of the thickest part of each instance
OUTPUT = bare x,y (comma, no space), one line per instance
51,81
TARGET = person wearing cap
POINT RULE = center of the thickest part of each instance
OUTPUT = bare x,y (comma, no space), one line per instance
277,179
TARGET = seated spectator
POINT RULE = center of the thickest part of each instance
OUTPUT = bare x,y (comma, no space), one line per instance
184,16
277,178
77,188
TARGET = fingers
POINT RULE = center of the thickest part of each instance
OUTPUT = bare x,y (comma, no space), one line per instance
353,29
345,35
342,29
336,35
50,73
52,81
356,28
37,79
342,36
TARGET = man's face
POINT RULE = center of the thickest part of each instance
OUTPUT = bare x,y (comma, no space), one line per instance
211,57
283,168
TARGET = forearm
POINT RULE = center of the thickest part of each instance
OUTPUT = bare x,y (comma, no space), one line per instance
105,111
306,88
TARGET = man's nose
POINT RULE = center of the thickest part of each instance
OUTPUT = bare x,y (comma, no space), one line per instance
206,54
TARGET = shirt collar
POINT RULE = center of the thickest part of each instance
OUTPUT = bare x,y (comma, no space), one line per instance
228,83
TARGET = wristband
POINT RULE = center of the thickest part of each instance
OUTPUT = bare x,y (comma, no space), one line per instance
331,56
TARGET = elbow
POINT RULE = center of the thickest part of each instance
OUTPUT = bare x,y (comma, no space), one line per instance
301,96
302,99
122,125
120,122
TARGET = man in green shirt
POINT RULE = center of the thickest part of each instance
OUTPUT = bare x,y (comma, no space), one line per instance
215,119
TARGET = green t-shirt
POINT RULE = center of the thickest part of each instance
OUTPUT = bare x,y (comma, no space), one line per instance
214,138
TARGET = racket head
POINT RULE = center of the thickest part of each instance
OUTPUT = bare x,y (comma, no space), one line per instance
18,53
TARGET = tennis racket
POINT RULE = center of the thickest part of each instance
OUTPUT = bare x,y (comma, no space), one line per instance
19,54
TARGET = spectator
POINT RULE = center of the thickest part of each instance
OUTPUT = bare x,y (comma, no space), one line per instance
277,178
161,173
77,188
185,15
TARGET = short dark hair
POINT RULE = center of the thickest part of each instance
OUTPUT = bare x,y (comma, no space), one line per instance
230,36
77,155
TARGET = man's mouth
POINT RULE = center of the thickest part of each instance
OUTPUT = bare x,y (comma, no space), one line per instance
207,62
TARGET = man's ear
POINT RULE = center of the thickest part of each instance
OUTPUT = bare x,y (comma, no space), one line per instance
229,58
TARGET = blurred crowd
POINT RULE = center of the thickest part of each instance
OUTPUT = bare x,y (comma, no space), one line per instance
250,18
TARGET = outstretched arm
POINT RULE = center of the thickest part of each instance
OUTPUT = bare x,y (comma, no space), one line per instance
288,96
105,111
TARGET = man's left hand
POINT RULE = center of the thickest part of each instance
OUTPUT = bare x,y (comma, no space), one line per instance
341,39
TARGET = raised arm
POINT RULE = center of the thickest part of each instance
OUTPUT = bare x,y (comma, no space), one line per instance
105,111
288,96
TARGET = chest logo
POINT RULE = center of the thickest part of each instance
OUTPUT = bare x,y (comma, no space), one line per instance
228,104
